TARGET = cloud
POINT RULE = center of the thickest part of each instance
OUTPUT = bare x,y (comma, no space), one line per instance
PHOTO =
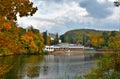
97,8
63,15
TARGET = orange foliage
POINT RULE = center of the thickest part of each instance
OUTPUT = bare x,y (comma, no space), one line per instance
8,41
28,37
96,39
9,10
7,25
33,44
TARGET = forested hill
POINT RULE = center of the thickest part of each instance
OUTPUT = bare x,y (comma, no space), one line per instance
85,31
83,35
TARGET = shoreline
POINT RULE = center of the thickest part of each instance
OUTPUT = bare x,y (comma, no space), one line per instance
12,54
80,52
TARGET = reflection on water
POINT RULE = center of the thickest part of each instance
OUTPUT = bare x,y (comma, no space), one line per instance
47,67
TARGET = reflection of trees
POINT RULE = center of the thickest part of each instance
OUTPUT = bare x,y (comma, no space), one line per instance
11,65
33,71
4,68
18,67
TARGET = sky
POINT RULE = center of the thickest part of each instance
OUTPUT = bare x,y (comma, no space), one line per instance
59,16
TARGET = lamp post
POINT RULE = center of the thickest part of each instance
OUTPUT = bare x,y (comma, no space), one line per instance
117,64
117,3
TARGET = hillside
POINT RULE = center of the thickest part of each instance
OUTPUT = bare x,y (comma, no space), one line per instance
82,35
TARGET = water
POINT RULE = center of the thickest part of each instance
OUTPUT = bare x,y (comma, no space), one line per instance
47,67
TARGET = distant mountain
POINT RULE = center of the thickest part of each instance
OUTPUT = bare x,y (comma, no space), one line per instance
80,35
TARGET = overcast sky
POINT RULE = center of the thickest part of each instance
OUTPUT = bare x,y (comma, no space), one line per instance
63,15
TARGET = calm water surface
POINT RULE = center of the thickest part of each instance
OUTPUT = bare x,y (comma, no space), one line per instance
47,67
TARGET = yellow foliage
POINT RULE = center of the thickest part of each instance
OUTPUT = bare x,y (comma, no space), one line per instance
114,42
32,44
7,25
34,41
96,39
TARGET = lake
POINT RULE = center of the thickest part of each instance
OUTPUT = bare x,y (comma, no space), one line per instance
44,67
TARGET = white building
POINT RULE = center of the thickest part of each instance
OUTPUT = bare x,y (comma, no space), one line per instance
49,48
51,35
64,47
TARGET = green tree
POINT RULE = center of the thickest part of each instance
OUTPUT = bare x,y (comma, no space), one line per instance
108,66
56,39
113,33
106,38
105,69
114,44
45,37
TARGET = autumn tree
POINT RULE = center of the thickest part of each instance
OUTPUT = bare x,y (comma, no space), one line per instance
114,44
27,41
39,40
9,32
9,10
9,43
47,39
32,43
108,66
105,69
96,40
